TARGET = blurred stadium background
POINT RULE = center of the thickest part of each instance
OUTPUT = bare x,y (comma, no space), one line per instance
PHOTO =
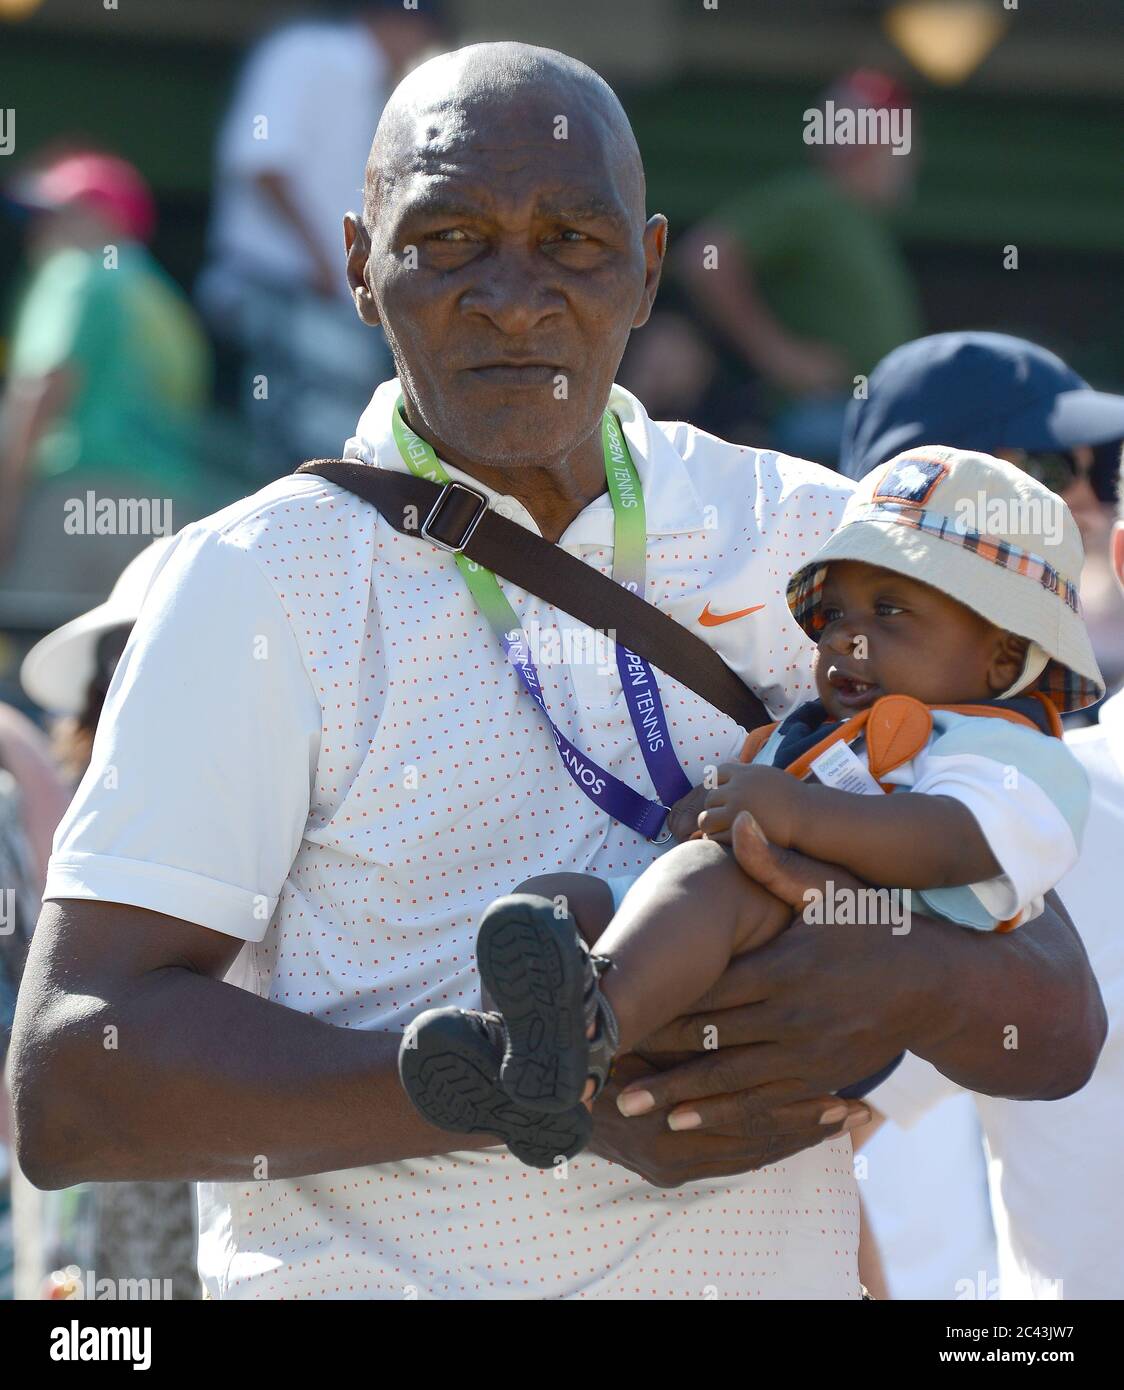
1017,115
1018,103
1024,147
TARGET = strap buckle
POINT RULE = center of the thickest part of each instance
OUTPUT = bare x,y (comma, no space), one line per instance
665,830
449,512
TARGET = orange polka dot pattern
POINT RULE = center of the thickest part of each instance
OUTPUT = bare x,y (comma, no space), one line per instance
438,788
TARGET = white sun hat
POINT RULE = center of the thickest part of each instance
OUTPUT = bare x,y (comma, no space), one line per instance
986,534
57,671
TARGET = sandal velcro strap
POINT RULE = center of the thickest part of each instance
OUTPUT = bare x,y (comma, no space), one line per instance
599,1015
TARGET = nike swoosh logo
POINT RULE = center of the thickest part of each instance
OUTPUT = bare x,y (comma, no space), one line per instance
709,619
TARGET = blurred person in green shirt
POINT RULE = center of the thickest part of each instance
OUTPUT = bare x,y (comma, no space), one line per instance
801,273
108,378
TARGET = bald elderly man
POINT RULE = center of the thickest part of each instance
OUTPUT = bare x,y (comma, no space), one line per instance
316,767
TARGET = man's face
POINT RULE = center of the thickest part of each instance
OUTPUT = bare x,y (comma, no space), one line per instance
507,268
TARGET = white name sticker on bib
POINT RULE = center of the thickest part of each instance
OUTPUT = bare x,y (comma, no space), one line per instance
844,770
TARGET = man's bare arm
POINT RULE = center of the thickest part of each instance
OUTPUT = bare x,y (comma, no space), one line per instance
327,278
131,1059
1016,1015
29,405
720,274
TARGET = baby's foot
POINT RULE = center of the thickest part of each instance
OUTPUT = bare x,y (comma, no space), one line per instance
561,1035
449,1064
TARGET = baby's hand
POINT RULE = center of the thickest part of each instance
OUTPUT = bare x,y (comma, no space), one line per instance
769,794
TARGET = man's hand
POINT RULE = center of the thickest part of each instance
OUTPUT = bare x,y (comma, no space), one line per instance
775,1130
825,1006
818,1008
805,367
788,876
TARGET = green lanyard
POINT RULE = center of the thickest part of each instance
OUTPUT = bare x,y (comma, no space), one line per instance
630,543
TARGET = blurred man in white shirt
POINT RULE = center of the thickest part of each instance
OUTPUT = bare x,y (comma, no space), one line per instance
290,163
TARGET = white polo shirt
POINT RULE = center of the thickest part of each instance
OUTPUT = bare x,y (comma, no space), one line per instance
1055,1165
314,743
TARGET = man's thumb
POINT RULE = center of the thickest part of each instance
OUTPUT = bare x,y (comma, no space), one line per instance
751,849
760,859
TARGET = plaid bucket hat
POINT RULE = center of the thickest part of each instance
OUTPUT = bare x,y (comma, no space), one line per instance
986,534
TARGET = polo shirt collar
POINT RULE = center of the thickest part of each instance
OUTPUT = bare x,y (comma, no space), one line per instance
671,504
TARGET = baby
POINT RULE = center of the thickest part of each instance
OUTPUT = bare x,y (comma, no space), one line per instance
945,648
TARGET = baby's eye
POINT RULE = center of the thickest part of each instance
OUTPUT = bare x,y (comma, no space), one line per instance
829,614
887,610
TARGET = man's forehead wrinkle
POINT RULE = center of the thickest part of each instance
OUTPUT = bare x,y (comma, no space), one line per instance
439,194
484,96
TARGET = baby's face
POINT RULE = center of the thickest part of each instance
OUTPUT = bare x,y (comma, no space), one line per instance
888,635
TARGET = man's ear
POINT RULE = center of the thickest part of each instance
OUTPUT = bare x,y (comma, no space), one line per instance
655,248
358,245
1007,661
1116,552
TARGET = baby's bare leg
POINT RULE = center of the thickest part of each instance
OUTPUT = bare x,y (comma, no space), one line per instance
588,900
676,931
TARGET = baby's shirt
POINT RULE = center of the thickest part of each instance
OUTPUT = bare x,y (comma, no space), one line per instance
1028,794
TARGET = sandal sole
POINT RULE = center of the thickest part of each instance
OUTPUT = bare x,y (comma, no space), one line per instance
451,1076
533,968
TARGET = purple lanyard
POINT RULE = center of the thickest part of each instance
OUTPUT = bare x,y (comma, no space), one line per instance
606,791
638,681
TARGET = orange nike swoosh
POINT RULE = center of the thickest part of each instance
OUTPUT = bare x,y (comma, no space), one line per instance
709,619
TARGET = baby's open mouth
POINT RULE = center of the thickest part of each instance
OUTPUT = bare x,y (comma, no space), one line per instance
851,692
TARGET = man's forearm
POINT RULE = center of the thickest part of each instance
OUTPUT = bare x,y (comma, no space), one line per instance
276,188
190,1078
729,294
27,409
1017,1015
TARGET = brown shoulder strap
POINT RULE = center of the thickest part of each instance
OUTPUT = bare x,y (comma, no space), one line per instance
458,519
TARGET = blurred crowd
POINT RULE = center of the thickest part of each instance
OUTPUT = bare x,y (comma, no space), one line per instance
789,318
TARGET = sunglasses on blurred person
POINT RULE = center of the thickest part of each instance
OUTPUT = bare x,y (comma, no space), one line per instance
1059,470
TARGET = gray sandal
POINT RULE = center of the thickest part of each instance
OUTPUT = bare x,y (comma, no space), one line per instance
449,1064
543,981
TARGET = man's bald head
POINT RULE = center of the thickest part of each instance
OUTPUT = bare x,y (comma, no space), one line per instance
473,91
504,250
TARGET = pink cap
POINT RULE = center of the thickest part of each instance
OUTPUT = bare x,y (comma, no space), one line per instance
101,182
867,87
